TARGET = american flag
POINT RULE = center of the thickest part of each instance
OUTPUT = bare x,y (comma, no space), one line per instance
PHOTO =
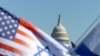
18,37
15,38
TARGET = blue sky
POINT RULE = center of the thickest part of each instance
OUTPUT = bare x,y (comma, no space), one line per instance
76,15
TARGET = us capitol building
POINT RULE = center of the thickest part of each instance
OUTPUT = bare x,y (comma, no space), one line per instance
60,34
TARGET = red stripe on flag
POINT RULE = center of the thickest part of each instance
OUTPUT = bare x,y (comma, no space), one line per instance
28,25
36,31
11,49
22,42
26,35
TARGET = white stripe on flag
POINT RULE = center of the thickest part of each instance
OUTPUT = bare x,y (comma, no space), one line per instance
23,38
25,30
17,46
31,34
8,53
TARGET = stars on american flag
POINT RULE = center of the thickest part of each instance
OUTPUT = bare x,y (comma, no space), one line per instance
8,25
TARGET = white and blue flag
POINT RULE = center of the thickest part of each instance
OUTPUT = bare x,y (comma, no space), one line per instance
90,46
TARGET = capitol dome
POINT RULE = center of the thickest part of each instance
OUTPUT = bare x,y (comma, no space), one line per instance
60,33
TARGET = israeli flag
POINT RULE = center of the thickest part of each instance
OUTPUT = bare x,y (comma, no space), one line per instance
90,46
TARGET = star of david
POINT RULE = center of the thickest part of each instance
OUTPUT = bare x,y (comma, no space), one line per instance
41,50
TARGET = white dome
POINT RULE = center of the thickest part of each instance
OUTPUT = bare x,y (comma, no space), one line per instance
60,33
59,28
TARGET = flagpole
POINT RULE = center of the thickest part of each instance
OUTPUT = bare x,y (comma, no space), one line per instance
77,42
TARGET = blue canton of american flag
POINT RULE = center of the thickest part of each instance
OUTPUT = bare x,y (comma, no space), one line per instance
8,25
